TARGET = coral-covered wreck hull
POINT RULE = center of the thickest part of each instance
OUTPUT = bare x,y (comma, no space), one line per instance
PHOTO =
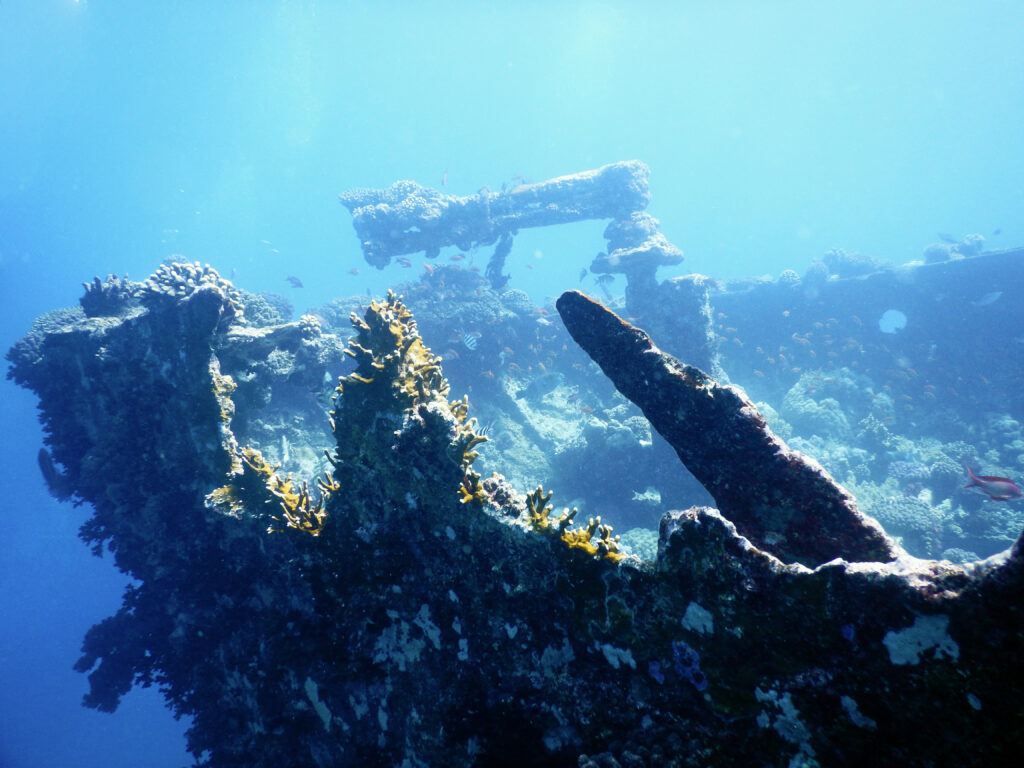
410,612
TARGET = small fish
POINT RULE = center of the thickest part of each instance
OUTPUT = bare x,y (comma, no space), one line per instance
444,179
996,488
354,271
429,268
470,339
997,231
296,283
583,273
988,298
404,262
947,238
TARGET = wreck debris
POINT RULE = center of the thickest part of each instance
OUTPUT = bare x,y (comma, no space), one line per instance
781,500
419,629
636,249
407,217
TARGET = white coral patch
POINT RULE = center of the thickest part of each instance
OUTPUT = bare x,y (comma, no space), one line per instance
926,633
618,656
313,694
554,659
430,629
698,619
855,715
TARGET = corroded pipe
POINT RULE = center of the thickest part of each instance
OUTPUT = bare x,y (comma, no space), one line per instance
781,500
407,218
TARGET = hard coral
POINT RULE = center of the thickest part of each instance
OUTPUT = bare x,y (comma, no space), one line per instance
539,518
109,298
397,381
175,281
259,491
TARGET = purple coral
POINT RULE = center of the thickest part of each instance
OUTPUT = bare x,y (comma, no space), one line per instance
686,663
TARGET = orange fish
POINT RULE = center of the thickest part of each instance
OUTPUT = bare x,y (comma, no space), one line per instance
354,271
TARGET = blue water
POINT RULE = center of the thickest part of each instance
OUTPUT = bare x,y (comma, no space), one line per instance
224,132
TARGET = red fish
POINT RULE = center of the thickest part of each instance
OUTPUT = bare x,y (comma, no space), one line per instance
996,488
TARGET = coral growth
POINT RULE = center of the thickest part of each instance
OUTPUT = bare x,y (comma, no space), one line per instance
582,538
257,490
176,280
108,298
397,378
410,614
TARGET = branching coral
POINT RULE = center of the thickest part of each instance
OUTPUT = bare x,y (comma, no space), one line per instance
259,489
539,517
396,377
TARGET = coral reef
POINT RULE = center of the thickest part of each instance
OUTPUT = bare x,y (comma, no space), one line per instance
266,308
914,520
789,278
408,612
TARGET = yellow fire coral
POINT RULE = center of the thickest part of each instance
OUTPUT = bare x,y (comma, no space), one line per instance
259,487
396,373
539,515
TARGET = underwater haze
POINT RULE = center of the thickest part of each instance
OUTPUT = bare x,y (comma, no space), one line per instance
223,133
